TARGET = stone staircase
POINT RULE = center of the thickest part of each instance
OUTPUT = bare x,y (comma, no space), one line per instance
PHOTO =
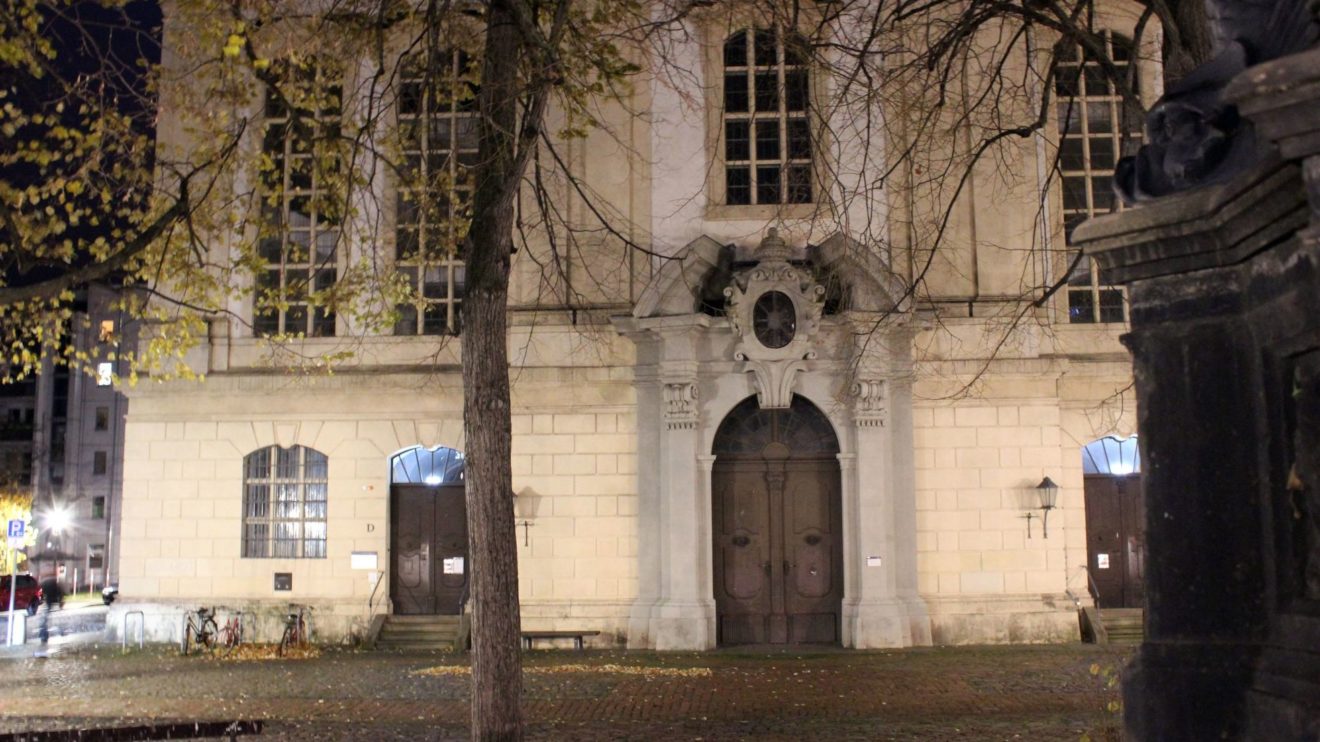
420,633
1115,625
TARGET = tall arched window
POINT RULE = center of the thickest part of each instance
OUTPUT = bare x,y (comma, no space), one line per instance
284,503
767,136
1094,122
301,208
438,129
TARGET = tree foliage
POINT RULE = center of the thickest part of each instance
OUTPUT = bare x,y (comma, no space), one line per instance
16,504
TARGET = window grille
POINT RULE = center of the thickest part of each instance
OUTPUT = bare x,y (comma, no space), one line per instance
438,128
284,503
767,134
1094,122
301,204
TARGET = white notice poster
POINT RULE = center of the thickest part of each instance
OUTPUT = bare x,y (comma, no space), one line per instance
1102,561
453,565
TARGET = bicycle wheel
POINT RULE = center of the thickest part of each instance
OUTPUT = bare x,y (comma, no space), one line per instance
289,636
228,637
207,636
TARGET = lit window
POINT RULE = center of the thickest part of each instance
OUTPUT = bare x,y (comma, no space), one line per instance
284,503
767,132
105,373
1094,122
438,131
107,330
301,205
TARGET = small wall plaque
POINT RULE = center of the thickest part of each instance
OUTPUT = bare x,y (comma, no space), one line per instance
873,561
453,565
283,581
363,560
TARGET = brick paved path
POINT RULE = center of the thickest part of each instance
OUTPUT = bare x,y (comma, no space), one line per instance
1026,693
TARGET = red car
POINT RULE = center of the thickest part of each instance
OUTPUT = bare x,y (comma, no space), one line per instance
28,596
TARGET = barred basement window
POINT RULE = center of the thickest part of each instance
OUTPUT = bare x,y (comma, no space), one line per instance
767,136
301,204
284,503
1094,122
438,125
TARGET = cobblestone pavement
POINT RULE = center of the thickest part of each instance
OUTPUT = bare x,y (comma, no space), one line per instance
968,693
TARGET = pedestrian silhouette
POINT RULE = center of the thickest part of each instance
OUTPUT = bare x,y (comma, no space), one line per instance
54,596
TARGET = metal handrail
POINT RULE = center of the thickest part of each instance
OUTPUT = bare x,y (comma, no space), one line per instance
371,600
1092,588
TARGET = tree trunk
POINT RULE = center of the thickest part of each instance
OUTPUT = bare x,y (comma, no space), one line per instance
496,659
1194,43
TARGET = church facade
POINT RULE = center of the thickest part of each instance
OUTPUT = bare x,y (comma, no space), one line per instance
787,426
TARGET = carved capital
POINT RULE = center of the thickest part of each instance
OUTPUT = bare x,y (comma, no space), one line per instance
870,403
774,382
681,405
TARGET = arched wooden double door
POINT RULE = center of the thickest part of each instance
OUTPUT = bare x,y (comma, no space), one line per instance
778,551
428,532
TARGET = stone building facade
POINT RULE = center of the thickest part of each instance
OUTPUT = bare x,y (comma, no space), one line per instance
764,436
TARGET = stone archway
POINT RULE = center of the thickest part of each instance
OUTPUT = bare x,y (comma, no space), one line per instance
777,526
428,532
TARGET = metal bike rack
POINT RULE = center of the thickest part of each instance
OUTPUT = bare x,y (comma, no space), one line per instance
141,629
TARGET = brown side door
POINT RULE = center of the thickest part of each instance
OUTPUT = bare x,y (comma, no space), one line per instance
777,551
428,527
1115,540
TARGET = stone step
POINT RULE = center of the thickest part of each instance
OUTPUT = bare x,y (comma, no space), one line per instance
1123,625
433,633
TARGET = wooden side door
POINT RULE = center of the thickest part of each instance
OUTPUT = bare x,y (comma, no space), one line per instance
429,558
1115,540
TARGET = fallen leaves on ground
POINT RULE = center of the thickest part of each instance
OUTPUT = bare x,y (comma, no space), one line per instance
256,652
688,672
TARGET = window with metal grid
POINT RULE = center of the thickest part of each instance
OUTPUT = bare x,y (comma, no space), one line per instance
767,132
301,203
1094,122
437,121
284,503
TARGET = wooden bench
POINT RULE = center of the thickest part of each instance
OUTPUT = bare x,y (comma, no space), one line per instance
576,636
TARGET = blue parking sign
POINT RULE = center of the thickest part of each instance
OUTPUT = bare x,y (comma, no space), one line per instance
16,528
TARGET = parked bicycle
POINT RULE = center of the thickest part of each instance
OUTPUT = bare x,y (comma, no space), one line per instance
200,630
230,634
295,629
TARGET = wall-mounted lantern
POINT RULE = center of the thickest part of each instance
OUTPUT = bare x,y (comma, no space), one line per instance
1048,492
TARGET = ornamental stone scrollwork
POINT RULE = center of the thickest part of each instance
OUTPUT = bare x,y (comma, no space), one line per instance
870,403
775,308
681,405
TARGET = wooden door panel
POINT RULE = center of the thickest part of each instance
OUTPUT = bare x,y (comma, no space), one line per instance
814,628
451,548
427,526
741,528
812,535
412,533
1115,541
777,551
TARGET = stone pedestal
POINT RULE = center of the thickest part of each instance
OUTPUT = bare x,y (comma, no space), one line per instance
1224,284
